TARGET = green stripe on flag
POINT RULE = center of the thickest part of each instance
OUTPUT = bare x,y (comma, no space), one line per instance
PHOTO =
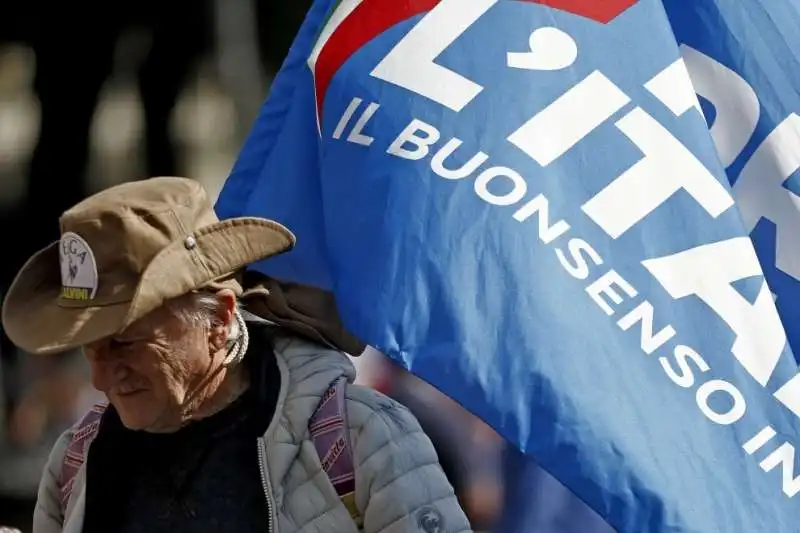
327,19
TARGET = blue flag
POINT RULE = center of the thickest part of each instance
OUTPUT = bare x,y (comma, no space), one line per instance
545,209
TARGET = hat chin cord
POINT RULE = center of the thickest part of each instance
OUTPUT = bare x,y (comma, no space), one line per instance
237,350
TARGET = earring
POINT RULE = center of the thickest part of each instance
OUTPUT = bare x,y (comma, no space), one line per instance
239,348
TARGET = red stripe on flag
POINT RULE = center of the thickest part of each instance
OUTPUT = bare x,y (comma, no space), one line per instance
372,17
368,20
598,10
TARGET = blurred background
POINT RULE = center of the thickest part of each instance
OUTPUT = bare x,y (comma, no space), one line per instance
93,94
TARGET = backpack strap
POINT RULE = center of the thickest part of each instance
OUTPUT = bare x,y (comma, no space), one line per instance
83,433
330,434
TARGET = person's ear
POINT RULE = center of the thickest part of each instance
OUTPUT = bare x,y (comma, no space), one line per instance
223,321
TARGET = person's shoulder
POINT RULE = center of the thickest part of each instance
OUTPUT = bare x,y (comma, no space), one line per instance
63,442
52,477
368,406
75,440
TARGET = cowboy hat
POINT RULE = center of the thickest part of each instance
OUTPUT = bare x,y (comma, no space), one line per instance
124,252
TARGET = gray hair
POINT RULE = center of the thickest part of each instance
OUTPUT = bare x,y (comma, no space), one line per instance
201,309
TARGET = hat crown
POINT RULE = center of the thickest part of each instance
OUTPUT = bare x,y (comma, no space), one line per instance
123,253
109,239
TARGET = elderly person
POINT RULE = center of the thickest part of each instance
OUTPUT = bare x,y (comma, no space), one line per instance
218,420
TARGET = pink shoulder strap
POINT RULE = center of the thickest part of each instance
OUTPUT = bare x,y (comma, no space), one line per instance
83,434
330,433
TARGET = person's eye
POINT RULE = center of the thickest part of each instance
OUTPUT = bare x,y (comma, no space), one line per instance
121,344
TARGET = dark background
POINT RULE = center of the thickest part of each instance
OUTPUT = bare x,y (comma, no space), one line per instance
93,94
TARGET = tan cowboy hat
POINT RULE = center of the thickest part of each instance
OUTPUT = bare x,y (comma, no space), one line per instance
124,252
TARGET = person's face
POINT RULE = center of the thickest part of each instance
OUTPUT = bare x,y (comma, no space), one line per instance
154,370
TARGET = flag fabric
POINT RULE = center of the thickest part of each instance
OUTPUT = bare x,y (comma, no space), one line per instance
535,502
544,208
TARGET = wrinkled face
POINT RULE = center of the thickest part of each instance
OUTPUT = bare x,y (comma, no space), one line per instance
155,369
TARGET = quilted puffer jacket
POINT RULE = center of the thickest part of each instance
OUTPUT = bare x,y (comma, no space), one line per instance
400,487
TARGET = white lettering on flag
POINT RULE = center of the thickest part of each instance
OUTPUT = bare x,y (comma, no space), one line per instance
411,63
760,193
735,102
707,272
564,123
666,168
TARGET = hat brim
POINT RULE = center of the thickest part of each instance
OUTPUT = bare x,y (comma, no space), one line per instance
34,320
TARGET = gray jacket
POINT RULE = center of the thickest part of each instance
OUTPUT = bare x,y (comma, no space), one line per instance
400,487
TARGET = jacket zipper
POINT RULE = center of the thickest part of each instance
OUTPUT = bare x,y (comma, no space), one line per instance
262,463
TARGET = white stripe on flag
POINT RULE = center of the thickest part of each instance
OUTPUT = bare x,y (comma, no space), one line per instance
341,12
